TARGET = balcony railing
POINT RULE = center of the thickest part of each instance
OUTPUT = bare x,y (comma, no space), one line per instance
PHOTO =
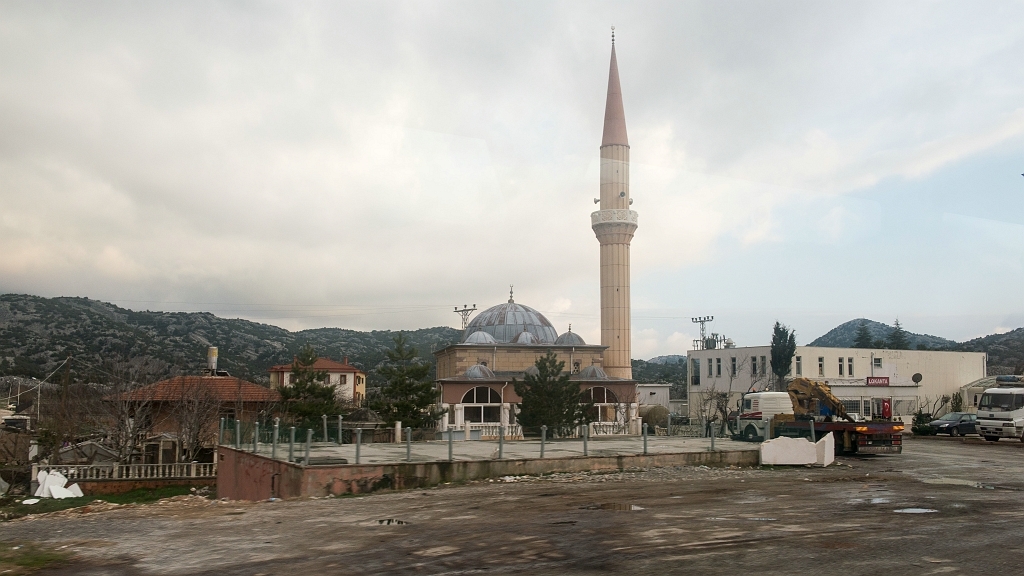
75,473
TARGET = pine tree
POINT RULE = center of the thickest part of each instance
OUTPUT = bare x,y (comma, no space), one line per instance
551,399
782,350
306,397
408,395
897,339
863,339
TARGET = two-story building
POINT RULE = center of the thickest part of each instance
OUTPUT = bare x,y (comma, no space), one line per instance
348,381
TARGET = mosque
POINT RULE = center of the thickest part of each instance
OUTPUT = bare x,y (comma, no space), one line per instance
502,344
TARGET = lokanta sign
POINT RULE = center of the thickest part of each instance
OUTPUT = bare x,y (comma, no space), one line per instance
878,380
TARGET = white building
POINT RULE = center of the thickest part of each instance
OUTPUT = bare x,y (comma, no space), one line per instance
860,377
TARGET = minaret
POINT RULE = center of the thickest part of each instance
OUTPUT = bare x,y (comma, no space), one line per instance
614,225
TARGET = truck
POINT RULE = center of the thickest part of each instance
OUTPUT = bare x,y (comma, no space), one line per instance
808,408
1001,410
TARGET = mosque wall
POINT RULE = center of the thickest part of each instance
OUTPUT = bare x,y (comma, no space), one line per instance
455,360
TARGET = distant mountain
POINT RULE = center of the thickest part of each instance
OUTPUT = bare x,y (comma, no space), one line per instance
670,359
37,334
1005,351
845,334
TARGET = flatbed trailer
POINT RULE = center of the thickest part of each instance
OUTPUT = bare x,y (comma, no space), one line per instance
851,437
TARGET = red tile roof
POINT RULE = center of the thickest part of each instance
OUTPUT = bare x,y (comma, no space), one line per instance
324,364
224,388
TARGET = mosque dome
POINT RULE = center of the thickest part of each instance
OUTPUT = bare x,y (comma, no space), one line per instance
480,337
570,338
533,371
525,337
593,372
479,372
505,322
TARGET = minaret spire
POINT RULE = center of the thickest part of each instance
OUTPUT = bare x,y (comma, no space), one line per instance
614,225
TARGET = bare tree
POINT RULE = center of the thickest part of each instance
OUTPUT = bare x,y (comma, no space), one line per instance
126,411
195,413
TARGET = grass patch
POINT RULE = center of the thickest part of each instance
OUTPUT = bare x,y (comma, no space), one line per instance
10,508
25,558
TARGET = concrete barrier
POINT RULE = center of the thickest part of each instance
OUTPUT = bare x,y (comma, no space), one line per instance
786,451
246,476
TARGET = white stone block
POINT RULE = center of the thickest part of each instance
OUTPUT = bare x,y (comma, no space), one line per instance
59,492
76,490
786,451
826,450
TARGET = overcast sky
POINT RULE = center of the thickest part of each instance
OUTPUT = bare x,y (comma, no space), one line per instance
370,165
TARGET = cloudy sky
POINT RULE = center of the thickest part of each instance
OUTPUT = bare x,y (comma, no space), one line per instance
373,164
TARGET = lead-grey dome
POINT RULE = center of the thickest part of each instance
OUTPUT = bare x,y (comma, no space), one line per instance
479,372
526,337
593,372
570,338
480,337
506,321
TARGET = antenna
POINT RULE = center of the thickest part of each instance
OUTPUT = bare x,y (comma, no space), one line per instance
466,312
702,320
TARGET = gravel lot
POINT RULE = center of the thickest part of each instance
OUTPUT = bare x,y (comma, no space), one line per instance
850,518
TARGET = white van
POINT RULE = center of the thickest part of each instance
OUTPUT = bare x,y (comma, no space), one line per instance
1001,413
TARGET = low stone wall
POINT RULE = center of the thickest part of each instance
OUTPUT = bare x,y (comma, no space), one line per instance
246,476
99,487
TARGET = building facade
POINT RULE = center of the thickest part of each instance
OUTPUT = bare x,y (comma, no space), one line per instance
860,377
349,382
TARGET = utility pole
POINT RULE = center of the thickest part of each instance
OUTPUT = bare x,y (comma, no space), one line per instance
466,312
702,320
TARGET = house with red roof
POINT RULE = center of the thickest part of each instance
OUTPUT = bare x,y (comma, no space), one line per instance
348,381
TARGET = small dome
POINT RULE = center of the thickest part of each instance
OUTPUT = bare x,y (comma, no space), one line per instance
570,338
532,371
525,337
480,337
479,372
593,372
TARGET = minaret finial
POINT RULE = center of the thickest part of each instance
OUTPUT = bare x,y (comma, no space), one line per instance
510,301
570,326
613,35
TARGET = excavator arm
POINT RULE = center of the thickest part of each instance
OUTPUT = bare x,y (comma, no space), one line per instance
804,392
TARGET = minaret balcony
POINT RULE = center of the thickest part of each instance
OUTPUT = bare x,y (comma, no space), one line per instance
613,217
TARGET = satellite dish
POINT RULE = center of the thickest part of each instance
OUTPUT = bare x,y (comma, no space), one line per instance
917,378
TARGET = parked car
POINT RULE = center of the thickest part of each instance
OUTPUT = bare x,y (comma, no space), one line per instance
956,424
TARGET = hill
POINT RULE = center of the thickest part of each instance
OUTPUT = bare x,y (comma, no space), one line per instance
845,334
1005,351
36,334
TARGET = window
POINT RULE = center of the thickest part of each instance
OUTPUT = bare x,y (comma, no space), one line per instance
821,365
711,371
764,366
718,367
849,367
732,367
482,413
696,371
799,366
876,362
482,395
840,366
753,365
343,379
599,395
576,367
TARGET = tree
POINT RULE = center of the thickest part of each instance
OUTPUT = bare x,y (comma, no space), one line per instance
306,397
863,339
195,415
897,339
551,399
408,395
782,350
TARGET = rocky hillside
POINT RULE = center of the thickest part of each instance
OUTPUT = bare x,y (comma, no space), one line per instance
1005,351
843,336
36,334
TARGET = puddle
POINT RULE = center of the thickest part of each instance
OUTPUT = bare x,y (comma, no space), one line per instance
762,519
675,497
955,482
879,500
621,507
915,511
390,522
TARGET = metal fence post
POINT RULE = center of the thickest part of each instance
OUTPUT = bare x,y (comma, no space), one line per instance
812,432
324,418
277,433
238,434
291,444
644,424
450,435
220,434
586,436
309,440
340,439
501,442
543,437
359,442
713,434
668,426
408,444
256,437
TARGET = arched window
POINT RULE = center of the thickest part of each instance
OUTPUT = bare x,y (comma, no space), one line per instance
482,395
599,395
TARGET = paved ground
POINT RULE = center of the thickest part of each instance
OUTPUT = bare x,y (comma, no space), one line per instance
840,520
488,449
